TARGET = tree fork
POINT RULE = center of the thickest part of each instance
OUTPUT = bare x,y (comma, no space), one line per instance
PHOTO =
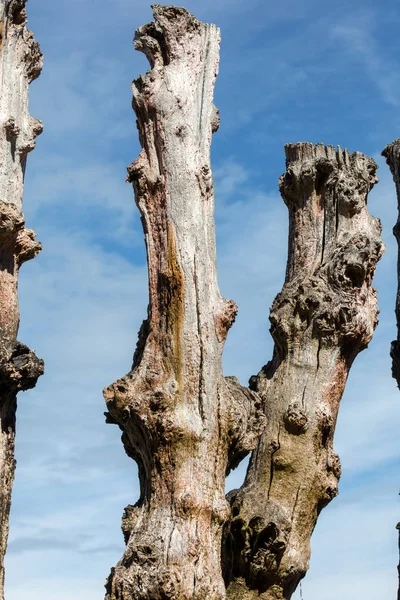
20,64
324,316
182,421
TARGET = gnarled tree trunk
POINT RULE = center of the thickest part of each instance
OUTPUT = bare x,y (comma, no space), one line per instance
20,63
324,316
182,421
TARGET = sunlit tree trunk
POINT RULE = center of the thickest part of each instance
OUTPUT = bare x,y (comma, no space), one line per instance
324,316
20,63
185,424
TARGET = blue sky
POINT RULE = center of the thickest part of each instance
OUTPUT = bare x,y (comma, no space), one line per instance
290,71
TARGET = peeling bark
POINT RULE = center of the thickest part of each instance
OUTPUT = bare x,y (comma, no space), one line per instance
324,316
183,423
20,63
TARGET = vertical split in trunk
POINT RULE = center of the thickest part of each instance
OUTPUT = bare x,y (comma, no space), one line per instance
182,422
324,316
20,63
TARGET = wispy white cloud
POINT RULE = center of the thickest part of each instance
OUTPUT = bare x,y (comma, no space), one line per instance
359,38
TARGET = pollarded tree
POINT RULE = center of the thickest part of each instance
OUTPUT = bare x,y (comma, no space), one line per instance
20,63
183,422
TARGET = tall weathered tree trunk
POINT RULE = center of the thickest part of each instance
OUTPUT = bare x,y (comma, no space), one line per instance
183,423
20,63
324,316
392,155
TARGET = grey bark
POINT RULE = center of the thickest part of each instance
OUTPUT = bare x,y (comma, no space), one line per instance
185,424
324,316
20,63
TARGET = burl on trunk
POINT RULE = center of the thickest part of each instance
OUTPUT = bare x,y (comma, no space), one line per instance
184,423
324,316
20,63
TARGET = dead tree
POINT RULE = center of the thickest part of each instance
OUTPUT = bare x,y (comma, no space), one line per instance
185,424
392,155
20,63
324,316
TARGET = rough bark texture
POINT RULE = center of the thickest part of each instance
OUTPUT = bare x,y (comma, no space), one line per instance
182,422
398,566
324,316
20,63
392,155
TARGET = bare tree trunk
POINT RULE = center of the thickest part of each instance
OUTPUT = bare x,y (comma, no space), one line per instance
20,63
392,155
324,316
183,423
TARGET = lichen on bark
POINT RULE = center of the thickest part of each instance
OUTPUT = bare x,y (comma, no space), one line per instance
20,64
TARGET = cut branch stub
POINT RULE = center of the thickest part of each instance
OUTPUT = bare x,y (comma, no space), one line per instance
183,423
392,155
325,314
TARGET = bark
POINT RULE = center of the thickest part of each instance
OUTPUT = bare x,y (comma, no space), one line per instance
324,316
20,63
182,421
398,566
392,155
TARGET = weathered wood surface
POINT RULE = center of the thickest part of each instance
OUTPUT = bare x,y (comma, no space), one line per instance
392,155
182,421
20,63
324,316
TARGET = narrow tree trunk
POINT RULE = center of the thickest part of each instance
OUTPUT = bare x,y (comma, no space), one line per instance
324,316
20,63
398,566
392,155
183,423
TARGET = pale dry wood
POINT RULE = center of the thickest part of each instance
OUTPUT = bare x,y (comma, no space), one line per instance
20,63
324,316
182,421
